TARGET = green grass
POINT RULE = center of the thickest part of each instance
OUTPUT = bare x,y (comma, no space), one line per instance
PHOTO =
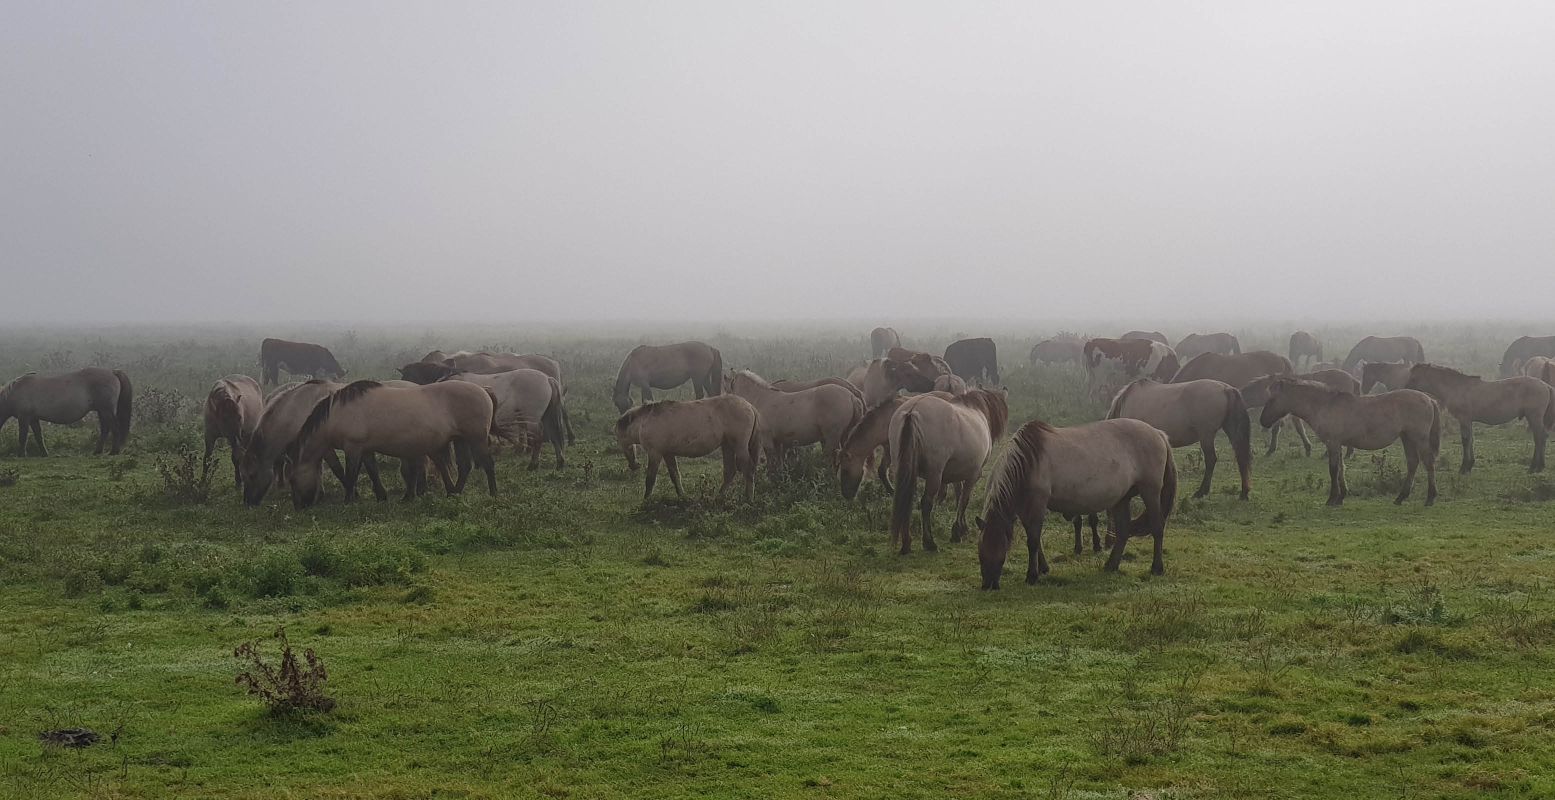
566,640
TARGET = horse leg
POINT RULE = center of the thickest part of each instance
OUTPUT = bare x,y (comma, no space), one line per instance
440,460
674,470
105,429
647,394
370,460
1095,537
1466,428
1120,524
1335,476
1301,433
1207,446
23,427
408,469
731,458
1155,517
237,472
933,486
1036,560
884,474
486,462
1274,436
536,444
653,474
1411,462
1540,435
462,460
958,531
1428,456
699,387
353,471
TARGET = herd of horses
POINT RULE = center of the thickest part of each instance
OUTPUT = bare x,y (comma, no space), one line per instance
924,422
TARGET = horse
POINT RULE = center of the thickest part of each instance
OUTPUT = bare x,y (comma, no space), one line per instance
1534,366
799,386
1470,399
64,399
1305,345
1365,422
532,393
1149,336
411,424
1085,469
1256,394
650,367
926,365
1391,375
485,363
1061,350
974,360
882,378
1195,343
1236,370
788,419
881,340
1524,348
1133,358
859,445
1384,348
670,429
232,412
943,441
266,450
1192,413
297,358
950,384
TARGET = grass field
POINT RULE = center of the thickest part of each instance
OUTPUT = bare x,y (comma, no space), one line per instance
566,640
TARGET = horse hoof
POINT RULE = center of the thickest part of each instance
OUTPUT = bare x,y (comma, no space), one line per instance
930,546
1158,570
1243,496
1031,580
1200,493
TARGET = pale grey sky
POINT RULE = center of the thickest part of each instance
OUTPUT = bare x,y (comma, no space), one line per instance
515,161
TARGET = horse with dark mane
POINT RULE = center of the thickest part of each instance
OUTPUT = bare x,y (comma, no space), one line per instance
1085,469
530,392
1384,348
650,367
232,411
65,399
297,358
1192,413
942,440
1470,399
670,429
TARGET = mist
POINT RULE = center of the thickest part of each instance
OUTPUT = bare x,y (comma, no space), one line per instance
580,162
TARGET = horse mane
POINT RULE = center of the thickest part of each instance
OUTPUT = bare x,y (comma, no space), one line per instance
991,404
760,382
1117,402
1014,468
642,412
1445,372
347,395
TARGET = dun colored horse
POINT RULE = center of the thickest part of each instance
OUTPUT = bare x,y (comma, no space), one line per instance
297,358
410,424
232,412
1388,374
1364,422
1192,413
860,444
64,399
974,360
671,429
1304,345
1384,348
1534,367
1524,348
1236,370
1086,469
1149,336
799,386
942,441
882,340
650,367
1256,394
1196,343
532,393
1470,399
793,419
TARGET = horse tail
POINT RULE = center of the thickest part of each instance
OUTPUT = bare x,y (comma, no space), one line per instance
1169,486
715,374
1436,429
906,477
1239,430
126,407
1549,409
551,421
753,444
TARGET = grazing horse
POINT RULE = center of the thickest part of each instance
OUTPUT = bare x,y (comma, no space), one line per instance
411,424
882,340
1149,336
1192,413
792,419
1305,345
532,393
1061,350
799,386
670,429
859,446
882,378
1256,394
1534,366
942,441
1130,358
1099,466
1195,343
1524,348
650,367
485,363
1390,375
1470,399
63,399
974,360
1236,370
1364,422
1384,348
232,412
297,358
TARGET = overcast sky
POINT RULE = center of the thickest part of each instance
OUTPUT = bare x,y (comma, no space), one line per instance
429,161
